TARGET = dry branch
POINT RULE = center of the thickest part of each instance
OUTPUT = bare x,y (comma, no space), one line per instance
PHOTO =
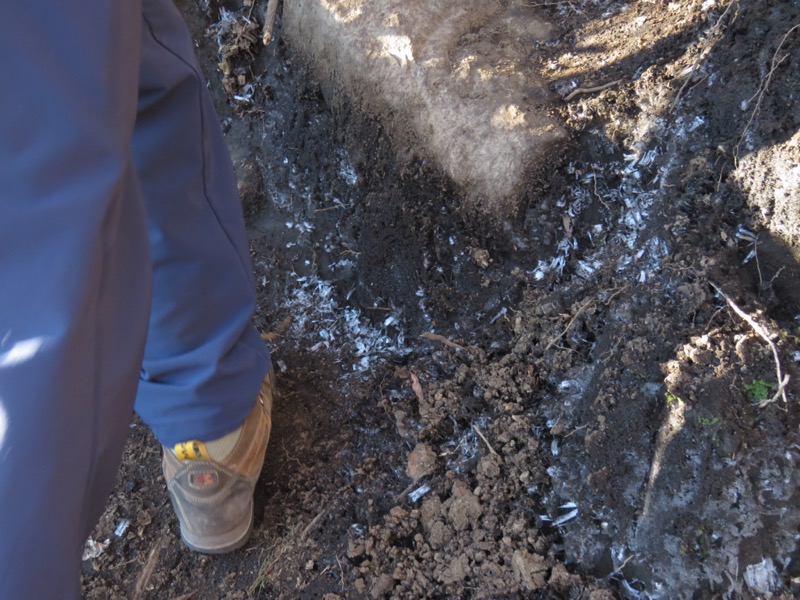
313,522
440,338
590,90
269,21
760,330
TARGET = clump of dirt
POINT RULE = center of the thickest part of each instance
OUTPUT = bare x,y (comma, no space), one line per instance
567,408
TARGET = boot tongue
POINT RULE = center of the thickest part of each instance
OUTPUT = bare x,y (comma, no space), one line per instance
217,450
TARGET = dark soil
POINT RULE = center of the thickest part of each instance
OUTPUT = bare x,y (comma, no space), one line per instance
564,408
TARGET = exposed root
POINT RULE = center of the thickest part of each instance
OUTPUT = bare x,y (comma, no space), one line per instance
590,90
762,88
760,330
709,44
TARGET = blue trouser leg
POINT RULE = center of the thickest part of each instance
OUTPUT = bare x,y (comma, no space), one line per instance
204,361
76,270
74,280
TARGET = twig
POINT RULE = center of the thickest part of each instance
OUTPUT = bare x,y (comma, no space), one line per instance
599,197
589,90
417,387
577,429
551,4
349,251
440,338
269,22
615,294
782,381
622,566
716,312
758,264
781,392
461,441
685,83
569,325
291,458
405,492
341,572
762,88
149,568
485,441
314,521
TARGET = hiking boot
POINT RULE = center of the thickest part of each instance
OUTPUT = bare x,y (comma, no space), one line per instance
211,484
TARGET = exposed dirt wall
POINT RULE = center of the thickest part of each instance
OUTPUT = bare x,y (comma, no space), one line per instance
770,177
448,80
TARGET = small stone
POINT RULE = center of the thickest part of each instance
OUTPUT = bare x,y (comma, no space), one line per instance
762,578
464,507
355,549
382,586
421,462
699,356
439,535
560,579
457,570
529,570
481,258
489,467
430,512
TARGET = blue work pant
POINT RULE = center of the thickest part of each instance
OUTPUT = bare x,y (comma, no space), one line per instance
124,269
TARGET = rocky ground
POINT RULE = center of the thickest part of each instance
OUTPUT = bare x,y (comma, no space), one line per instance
582,404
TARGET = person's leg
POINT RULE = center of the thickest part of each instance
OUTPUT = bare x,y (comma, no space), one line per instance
204,361
75,275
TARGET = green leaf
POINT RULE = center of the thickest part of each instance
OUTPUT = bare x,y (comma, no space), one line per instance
758,390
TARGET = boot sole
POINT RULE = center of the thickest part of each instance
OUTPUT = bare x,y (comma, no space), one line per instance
223,543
